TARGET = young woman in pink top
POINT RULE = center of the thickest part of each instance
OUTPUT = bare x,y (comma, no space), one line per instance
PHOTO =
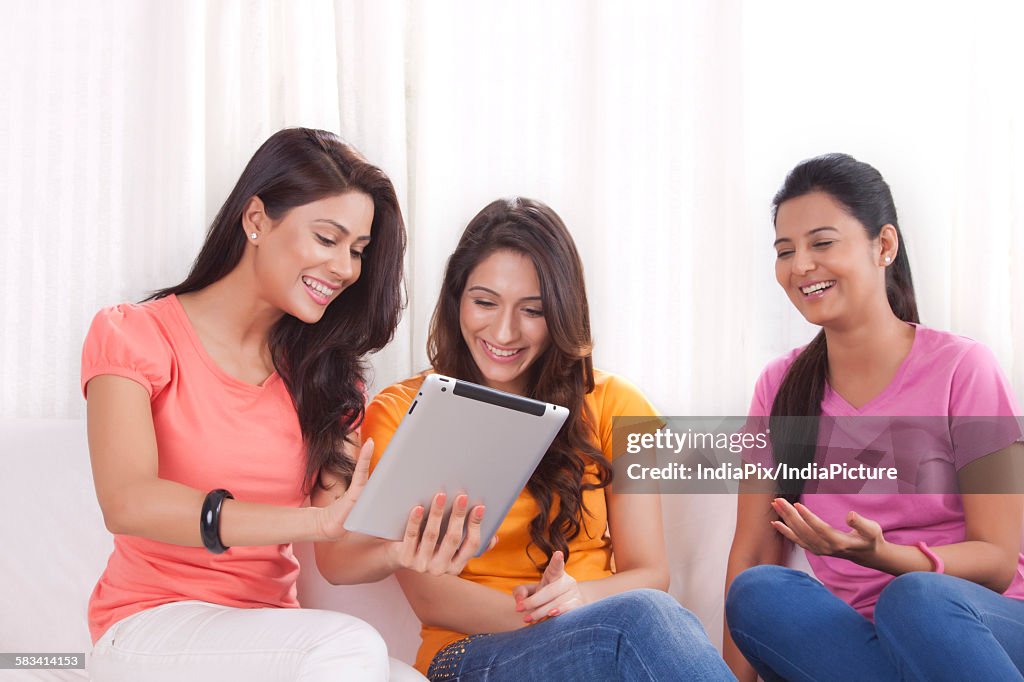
913,586
220,407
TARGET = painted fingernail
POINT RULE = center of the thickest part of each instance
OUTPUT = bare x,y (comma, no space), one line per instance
527,618
460,502
553,612
440,499
417,513
479,513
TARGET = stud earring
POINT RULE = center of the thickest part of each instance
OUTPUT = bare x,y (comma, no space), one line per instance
253,235
888,259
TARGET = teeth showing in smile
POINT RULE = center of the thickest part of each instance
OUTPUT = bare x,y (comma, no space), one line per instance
501,353
317,286
818,286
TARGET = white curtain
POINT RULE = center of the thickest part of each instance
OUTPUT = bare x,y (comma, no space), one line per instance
659,131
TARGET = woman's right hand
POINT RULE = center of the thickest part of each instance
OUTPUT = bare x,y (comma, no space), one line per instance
330,521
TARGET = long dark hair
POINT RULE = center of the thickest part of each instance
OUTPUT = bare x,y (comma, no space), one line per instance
321,364
563,374
863,193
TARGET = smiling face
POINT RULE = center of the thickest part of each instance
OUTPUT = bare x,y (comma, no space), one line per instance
502,319
304,260
832,271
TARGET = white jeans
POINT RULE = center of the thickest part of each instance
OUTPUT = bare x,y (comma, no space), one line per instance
196,641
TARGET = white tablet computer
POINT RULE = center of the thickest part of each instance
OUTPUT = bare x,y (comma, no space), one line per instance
457,437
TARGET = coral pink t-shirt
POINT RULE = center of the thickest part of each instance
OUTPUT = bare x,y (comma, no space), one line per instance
212,431
944,375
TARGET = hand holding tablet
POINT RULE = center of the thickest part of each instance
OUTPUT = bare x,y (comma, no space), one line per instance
421,547
464,440
424,550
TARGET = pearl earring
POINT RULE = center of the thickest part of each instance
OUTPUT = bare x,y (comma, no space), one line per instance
888,259
254,235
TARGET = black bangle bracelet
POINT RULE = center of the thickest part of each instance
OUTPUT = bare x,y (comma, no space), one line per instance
209,520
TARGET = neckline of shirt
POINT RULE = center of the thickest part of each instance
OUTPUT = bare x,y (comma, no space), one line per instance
211,364
834,400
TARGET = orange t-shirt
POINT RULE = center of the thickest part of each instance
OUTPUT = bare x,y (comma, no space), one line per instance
509,564
212,431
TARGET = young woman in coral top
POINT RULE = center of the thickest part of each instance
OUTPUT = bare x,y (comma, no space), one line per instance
912,586
557,597
221,406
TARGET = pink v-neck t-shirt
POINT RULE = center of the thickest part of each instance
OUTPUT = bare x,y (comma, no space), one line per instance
944,375
212,431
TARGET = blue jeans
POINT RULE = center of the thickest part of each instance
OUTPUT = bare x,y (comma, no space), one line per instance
635,635
927,627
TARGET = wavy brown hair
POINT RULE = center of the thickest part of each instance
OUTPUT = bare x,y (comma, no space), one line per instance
321,364
563,374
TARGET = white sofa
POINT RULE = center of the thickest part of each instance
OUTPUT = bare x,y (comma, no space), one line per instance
56,547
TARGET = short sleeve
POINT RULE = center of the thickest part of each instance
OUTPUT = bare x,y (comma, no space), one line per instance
984,413
384,414
127,341
765,390
979,387
621,398
757,416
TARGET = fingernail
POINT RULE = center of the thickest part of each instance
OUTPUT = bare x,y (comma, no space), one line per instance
460,502
440,499
519,606
527,618
553,612
479,514
417,513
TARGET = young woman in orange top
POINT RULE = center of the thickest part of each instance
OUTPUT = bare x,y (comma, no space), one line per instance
557,597
247,377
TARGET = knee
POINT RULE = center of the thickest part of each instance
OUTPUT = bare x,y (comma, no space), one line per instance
644,603
352,645
759,590
916,597
657,611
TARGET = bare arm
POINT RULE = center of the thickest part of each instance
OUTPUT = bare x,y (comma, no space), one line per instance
987,556
638,545
357,558
455,603
136,501
754,543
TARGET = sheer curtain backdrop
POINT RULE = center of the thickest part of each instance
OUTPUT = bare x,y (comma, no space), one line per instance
659,131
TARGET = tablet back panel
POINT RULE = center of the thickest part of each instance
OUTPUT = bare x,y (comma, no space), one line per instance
457,437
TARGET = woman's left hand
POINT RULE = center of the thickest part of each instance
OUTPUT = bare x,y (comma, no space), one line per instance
556,593
800,525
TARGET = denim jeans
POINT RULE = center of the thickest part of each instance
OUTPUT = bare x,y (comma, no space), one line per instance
635,635
927,627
